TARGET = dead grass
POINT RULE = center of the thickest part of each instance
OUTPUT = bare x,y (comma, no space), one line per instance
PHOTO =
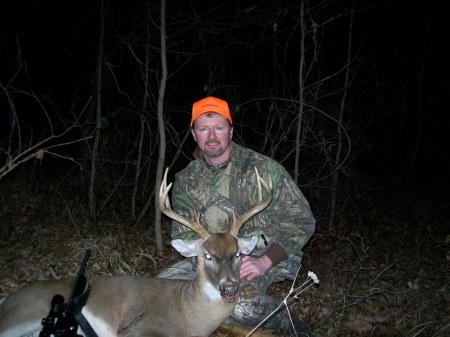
383,272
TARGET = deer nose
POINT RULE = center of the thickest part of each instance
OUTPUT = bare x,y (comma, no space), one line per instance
228,291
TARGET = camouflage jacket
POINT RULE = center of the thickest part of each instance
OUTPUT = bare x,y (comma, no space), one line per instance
213,195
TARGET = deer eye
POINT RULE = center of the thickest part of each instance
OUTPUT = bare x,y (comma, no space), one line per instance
238,254
208,257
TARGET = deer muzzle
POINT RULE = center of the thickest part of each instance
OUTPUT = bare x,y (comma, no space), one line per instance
228,291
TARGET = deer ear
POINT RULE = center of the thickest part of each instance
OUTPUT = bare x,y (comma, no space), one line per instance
187,248
247,244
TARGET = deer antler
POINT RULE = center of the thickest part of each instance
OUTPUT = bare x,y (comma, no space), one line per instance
237,224
164,206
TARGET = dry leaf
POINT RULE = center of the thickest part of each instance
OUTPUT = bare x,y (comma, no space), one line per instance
40,154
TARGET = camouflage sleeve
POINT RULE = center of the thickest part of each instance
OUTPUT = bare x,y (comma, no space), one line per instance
288,220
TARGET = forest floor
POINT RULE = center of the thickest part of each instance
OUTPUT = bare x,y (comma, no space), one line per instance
384,270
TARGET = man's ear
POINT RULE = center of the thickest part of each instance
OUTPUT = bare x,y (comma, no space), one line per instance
193,134
231,132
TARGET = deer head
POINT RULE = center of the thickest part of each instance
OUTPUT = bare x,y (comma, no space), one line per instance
219,254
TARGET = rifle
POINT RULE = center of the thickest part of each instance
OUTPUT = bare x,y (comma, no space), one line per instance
64,318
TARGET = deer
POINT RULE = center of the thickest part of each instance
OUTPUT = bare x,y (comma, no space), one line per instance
133,305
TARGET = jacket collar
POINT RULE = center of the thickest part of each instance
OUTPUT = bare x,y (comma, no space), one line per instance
198,154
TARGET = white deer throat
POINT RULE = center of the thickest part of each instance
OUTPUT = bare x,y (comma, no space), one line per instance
211,292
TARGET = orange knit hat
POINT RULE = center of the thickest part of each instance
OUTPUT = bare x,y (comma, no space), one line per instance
210,104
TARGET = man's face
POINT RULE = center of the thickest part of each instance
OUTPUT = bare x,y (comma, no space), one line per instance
213,134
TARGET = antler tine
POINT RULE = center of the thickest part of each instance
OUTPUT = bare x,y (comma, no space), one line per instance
164,205
237,224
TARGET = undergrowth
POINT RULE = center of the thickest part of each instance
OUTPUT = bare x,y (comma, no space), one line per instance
384,271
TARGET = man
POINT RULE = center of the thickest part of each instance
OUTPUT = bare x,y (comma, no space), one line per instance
221,179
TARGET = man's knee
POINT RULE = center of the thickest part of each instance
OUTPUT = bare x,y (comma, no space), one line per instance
182,270
286,270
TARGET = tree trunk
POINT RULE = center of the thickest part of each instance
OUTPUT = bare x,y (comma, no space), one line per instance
142,123
338,160
94,153
161,128
300,92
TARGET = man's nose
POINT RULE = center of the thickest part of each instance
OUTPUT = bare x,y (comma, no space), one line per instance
211,134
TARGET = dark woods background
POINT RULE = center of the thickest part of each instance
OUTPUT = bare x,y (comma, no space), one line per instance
350,96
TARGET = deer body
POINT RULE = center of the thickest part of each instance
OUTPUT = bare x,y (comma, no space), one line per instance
140,306
133,305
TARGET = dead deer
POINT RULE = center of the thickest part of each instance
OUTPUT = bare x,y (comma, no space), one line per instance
141,306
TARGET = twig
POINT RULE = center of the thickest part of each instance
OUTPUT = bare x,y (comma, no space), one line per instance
422,327
293,294
439,331
64,157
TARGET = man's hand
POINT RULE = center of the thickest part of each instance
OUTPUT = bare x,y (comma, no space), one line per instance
252,267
